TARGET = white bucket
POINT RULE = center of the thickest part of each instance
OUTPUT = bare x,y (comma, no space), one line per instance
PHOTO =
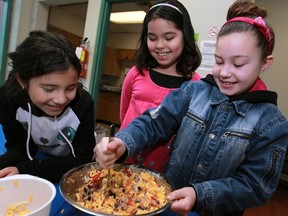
18,188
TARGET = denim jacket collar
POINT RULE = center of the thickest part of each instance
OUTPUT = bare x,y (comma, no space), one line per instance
241,106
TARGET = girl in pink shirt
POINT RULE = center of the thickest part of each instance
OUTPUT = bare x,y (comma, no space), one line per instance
167,57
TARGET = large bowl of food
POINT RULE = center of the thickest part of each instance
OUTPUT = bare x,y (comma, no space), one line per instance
25,195
130,190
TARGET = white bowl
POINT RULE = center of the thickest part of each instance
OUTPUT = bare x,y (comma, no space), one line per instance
19,188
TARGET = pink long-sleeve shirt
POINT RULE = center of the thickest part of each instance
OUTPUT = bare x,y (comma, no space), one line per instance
138,94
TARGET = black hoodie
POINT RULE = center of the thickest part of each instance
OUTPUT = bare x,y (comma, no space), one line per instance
64,142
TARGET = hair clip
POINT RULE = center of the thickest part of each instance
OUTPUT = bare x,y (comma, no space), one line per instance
165,4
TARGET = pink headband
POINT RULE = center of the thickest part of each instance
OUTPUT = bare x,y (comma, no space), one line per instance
260,24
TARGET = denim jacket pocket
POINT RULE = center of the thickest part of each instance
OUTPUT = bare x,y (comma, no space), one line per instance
196,127
235,145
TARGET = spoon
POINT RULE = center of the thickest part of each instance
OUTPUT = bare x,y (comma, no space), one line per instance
111,137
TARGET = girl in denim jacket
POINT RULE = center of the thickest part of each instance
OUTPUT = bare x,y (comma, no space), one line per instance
231,138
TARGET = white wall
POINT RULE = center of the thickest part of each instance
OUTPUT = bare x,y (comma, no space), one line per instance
204,15
26,16
90,32
276,77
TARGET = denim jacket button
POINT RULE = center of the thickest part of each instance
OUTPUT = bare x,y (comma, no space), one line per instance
211,136
224,107
199,166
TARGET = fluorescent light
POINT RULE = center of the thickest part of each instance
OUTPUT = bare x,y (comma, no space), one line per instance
127,17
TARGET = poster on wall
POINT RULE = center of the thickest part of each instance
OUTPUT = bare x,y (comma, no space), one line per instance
207,48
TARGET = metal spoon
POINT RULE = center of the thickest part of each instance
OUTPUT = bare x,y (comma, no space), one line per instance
111,137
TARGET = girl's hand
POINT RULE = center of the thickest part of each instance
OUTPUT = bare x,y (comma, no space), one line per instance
183,200
107,153
8,171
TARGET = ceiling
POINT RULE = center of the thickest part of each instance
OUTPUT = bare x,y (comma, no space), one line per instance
80,11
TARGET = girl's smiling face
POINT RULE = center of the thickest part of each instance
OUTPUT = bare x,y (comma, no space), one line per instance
52,92
165,42
237,63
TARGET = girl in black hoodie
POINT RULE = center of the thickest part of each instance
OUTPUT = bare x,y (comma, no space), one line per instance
46,114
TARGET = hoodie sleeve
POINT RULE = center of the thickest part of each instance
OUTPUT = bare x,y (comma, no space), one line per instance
15,134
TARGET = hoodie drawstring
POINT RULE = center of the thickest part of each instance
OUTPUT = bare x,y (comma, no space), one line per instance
29,132
67,140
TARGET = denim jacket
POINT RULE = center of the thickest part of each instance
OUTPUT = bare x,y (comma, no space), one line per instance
230,151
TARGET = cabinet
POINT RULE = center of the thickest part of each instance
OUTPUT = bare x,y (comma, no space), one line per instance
109,107
125,54
111,65
114,58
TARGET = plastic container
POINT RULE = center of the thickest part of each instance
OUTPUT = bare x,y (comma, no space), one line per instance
18,188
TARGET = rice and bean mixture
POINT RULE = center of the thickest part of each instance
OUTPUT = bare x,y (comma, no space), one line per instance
129,192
